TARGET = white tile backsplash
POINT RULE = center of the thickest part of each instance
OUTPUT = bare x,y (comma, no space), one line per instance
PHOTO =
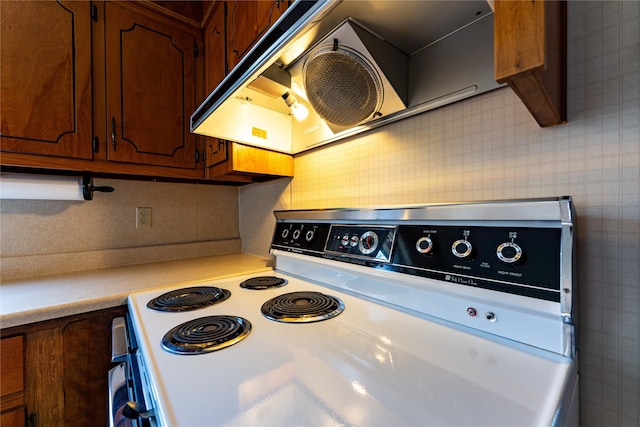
46,237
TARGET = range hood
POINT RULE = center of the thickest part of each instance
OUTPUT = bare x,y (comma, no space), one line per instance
354,65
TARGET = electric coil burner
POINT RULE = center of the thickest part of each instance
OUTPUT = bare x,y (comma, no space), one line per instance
187,299
263,282
206,334
302,307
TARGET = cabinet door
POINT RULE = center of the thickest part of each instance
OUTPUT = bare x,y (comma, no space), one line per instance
12,381
14,418
150,90
45,78
247,21
215,60
67,361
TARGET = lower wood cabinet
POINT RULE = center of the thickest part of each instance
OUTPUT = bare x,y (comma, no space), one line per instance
65,364
233,162
12,382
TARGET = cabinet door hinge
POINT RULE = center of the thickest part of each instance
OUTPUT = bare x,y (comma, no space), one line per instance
196,49
32,420
95,144
94,13
113,133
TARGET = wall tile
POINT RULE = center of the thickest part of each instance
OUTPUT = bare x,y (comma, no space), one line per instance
181,213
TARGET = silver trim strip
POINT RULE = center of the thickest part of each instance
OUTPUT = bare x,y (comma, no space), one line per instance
116,381
548,209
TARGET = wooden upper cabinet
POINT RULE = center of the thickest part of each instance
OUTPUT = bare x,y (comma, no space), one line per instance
530,55
150,92
45,75
247,21
215,59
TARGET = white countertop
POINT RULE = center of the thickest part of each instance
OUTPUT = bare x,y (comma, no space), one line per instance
36,299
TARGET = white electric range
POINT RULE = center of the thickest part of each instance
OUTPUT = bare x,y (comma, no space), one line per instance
441,315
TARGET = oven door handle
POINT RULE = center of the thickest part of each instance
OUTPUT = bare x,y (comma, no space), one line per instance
119,343
133,410
118,396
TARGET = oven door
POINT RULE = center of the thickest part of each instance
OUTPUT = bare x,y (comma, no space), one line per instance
127,406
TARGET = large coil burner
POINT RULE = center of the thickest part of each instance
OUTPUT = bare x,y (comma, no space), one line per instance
263,282
302,307
206,334
187,299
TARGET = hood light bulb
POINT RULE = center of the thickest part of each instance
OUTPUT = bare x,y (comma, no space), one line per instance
298,110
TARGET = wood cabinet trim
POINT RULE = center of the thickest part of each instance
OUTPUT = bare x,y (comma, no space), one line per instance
251,164
531,55
160,13
73,166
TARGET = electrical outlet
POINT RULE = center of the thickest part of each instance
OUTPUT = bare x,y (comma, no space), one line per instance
143,217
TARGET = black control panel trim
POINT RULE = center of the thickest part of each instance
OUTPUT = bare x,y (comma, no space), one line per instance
368,242
397,248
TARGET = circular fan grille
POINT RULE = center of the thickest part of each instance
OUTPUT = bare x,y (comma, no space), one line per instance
342,86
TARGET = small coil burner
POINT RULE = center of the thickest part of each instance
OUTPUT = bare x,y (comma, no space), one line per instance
206,334
263,282
187,299
302,307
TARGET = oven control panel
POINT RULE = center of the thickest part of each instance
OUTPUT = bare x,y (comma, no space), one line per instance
301,237
356,243
519,260
364,242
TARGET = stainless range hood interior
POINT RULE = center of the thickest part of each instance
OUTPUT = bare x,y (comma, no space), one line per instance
426,54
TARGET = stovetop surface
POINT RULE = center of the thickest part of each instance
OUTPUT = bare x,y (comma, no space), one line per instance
370,365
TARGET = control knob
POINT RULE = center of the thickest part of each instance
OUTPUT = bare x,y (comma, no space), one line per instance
285,233
368,242
309,236
296,234
462,248
424,245
509,253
